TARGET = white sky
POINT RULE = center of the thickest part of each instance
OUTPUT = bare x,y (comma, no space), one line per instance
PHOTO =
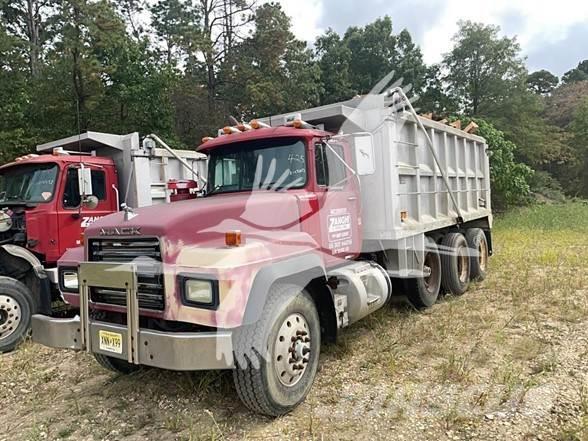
553,34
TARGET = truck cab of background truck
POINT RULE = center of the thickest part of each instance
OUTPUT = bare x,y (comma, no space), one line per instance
195,286
42,214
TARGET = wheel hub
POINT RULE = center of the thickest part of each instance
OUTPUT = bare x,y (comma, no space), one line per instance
10,316
483,255
463,265
292,350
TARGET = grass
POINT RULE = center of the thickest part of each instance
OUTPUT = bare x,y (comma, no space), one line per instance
513,344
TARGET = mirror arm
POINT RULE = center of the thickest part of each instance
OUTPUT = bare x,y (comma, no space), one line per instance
353,172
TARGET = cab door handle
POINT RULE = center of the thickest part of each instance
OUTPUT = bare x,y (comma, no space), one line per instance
352,198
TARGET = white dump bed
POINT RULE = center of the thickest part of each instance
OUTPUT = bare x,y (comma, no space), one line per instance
406,195
143,170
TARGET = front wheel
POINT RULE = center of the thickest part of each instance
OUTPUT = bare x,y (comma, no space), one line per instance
277,357
15,313
116,365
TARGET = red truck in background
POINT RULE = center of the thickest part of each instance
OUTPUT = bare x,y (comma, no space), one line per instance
307,220
47,201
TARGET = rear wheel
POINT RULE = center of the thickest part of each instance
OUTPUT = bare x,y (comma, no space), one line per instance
424,291
455,264
116,365
15,313
478,253
277,357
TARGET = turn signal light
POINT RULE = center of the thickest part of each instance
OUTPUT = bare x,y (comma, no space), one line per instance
233,238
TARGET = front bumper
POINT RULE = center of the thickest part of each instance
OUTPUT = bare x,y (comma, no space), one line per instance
186,351
175,351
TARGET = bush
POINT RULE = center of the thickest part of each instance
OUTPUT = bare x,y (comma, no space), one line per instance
510,179
546,188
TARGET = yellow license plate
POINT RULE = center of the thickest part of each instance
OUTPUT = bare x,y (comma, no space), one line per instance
110,342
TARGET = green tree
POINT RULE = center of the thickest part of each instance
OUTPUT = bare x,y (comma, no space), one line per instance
542,82
272,71
334,59
30,21
176,25
483,68
15,139
579,142
580,73
434,97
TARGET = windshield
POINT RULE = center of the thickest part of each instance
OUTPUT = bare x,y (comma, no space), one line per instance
258,165
28,183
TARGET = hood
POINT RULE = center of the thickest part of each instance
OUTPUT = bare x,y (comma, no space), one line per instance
206,220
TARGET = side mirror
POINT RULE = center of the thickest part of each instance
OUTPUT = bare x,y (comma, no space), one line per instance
90,202
364,155
85,181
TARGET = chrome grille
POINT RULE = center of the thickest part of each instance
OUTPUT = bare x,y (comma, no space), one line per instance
146,254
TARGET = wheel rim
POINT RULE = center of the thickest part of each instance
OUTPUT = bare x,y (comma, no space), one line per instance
483,255
10,316
463,265
292,350
430,280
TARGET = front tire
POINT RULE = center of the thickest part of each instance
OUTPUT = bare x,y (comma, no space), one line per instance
277,357
15,313
116,365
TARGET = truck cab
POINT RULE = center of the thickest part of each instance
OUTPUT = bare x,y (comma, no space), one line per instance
41,203
48,200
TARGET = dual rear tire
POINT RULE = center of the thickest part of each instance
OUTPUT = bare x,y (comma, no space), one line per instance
449,266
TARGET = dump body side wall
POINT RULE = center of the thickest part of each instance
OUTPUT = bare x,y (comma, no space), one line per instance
408,179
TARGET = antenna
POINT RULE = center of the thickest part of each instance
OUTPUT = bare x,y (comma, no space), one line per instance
83,183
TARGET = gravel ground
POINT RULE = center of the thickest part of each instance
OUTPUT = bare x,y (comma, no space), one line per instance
505,361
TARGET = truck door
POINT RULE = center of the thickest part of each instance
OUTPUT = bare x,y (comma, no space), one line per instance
73,217
339,204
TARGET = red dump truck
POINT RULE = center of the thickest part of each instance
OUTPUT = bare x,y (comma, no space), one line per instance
47,200
308,220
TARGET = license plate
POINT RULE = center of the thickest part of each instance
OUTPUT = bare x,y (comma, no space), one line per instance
110,342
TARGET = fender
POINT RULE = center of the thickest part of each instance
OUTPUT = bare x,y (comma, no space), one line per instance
27,256
300,270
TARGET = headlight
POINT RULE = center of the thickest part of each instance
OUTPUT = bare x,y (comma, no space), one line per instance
68,280
201,293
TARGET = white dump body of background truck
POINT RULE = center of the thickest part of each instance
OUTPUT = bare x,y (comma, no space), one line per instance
143,172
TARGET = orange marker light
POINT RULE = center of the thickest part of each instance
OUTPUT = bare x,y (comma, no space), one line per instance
403,215
297,124
233,238
206,139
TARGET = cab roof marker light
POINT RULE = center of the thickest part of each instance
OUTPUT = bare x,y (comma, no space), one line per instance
255,124
244,127
206,139
300,124
231,130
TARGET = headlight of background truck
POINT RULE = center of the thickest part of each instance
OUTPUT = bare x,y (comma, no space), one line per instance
200,293
68,280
